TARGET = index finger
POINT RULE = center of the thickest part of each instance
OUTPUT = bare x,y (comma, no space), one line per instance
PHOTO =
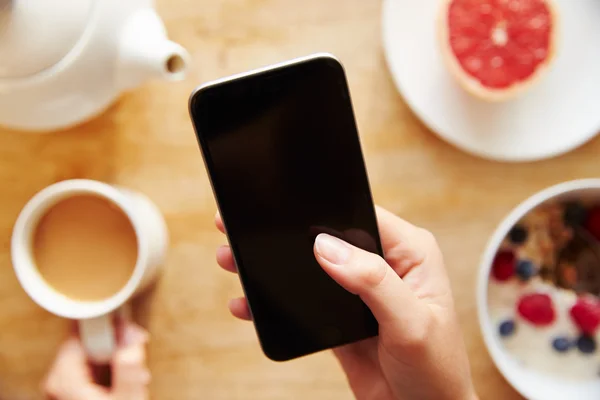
219,222
393,229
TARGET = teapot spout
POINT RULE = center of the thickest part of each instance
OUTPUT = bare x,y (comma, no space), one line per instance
145,52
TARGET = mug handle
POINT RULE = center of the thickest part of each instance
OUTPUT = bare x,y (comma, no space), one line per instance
98,336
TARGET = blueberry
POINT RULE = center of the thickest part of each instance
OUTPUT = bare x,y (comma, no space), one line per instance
507,328
525,270
586,344
518,234
574,214
561,344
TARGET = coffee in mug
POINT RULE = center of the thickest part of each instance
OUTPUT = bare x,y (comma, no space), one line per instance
85,247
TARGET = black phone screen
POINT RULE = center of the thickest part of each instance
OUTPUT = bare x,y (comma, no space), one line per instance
283,153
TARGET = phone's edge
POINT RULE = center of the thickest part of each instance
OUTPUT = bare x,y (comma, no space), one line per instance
258,70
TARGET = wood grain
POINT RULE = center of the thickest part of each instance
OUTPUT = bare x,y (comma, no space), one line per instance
145,141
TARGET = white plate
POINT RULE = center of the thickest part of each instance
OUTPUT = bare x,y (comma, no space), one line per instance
559,113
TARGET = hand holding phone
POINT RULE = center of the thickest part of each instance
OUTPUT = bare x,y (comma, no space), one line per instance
419,353
282,151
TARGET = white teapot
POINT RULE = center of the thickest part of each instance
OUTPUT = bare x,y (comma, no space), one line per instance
65,61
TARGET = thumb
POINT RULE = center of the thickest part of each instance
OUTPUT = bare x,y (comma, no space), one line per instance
130,374
368,275
70,378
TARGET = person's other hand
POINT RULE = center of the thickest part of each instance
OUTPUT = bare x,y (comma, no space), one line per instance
419,353
70,377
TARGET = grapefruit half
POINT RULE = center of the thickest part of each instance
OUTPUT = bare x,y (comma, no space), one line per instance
498,48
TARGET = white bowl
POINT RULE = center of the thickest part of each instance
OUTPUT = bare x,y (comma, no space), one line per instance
531,384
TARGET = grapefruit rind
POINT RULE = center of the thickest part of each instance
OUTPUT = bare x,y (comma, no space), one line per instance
471,84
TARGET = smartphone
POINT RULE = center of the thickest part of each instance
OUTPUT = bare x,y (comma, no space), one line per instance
281,148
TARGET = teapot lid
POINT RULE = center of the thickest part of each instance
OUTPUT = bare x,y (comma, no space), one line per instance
37,34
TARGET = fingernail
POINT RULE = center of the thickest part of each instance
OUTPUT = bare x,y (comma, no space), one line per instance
332,249
129,336
134,335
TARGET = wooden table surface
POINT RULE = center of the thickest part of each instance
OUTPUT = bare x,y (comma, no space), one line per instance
145,141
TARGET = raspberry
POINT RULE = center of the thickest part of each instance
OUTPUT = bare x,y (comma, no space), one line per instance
537,308
586,314
592,223
503,266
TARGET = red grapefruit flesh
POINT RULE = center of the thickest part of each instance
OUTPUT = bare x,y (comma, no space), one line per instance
497,48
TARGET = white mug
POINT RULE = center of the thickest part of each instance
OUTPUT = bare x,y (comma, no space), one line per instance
95,317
